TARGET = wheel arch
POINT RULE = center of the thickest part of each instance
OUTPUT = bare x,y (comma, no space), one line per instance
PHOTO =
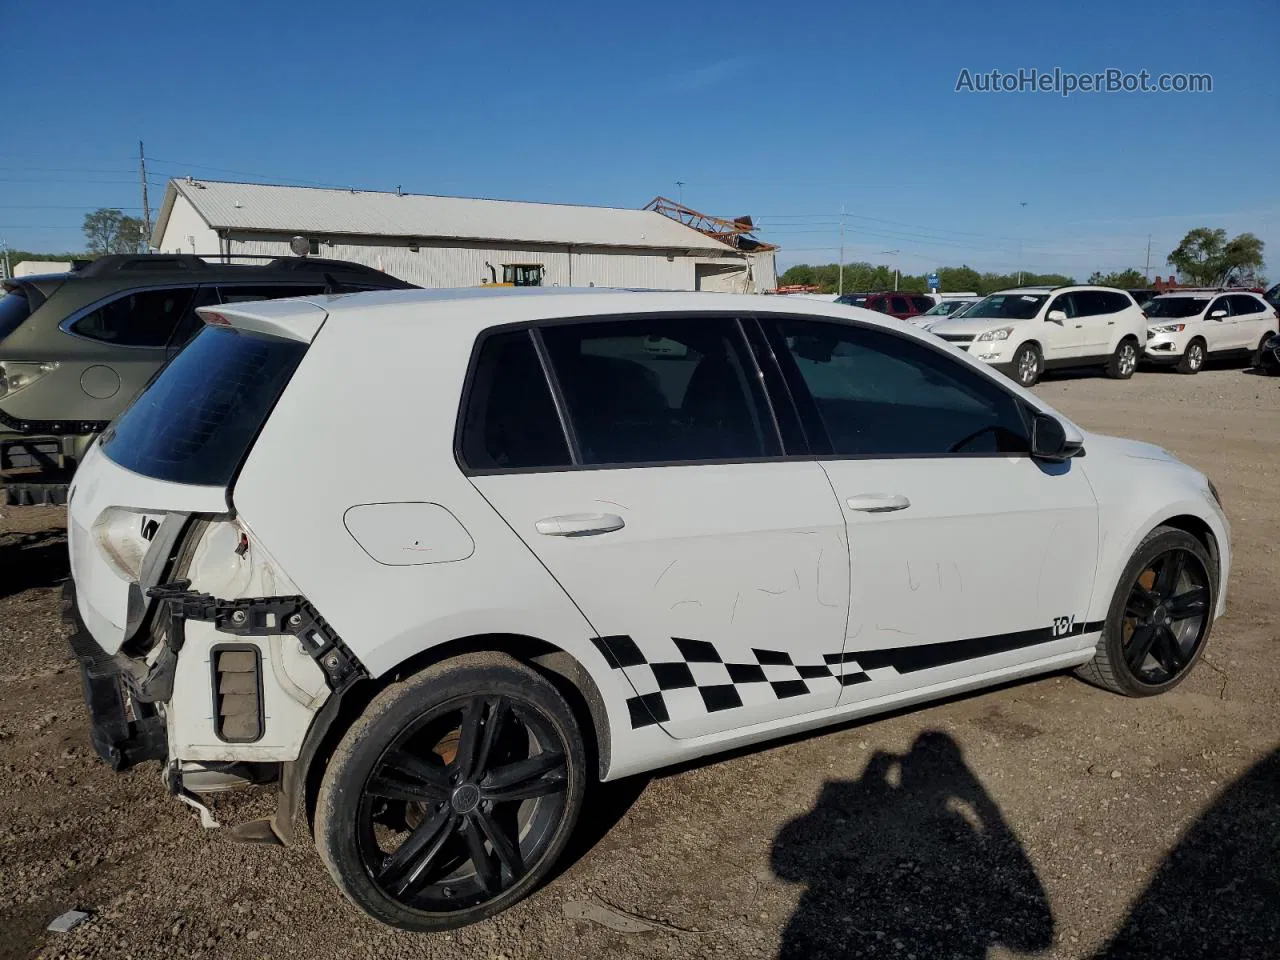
1179,519
300,780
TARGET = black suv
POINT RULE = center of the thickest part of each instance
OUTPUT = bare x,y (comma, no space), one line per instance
76,348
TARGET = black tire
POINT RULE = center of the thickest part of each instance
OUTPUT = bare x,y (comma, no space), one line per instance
1192,359
1028,364
1139,658
480,826
1256,361
1124,361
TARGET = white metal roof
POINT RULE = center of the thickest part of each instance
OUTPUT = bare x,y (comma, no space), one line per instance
314,210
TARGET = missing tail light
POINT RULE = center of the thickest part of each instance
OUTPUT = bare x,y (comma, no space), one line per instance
237,693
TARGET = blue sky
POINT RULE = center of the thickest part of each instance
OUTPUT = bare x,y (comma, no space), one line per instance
784,113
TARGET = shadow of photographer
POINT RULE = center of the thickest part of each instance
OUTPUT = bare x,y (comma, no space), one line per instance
915,858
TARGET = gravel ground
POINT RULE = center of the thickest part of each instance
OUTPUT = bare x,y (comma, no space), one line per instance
1045,818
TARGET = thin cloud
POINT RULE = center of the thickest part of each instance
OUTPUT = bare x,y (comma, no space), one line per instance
709,74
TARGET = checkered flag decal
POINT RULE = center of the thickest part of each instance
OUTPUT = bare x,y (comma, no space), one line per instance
696,678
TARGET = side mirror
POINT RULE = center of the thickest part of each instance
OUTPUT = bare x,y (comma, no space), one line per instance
1056,316
1049,439
1217,315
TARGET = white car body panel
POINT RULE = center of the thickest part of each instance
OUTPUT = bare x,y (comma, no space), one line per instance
751,555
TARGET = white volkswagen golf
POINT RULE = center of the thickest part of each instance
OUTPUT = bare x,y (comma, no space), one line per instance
434,560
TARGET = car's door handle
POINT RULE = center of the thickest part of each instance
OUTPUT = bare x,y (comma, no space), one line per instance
579,524
878,502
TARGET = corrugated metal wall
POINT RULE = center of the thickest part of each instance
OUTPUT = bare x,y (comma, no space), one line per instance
463,265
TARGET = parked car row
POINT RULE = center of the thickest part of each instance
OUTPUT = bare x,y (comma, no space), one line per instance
1028,330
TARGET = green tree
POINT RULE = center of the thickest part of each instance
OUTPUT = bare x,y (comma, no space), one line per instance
108,230
1128,279
1207,258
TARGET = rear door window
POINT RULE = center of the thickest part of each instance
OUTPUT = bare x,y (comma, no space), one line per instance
195,422
143,318
1242,305
510,421
190,323
900,305
922,304
661,390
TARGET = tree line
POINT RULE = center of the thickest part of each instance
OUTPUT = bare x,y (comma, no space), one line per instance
1205,257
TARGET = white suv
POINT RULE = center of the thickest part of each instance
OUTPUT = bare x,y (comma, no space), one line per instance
1186,328
1025,331
433,560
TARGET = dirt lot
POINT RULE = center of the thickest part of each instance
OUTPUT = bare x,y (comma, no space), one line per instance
1046,817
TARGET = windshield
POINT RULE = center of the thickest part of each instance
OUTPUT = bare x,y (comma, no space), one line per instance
941,310
196,421
14,308
1273,295
1176,307
1007,306
852,299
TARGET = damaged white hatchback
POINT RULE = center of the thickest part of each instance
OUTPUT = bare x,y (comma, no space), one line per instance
432,561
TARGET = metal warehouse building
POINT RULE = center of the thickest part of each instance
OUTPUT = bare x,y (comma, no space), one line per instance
460,242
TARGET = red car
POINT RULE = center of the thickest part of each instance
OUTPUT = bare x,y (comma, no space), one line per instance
900,305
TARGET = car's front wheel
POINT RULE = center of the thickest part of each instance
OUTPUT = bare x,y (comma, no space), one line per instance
1028,364
1193,357
1160,615
453,794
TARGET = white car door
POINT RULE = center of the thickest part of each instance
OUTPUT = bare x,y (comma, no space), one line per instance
965,554
1061,338
1099,313
1249,320
1219,331
714,572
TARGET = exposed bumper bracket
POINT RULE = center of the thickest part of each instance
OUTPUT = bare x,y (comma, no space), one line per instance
265,616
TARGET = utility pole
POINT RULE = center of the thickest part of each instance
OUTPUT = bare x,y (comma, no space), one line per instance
894,254
841,284
146,206
8,270
1147,272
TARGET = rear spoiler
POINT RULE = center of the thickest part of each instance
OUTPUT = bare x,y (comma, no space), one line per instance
297,320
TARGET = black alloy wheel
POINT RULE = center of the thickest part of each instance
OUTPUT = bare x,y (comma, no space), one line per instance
456,799
1160,617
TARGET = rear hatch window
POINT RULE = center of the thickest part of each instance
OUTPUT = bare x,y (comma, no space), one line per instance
196,421
14,309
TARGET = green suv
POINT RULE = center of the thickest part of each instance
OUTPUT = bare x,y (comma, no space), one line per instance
76,348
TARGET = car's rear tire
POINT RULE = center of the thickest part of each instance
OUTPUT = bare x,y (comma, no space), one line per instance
1028,364
1160,616
1193,357
1124,361
452,796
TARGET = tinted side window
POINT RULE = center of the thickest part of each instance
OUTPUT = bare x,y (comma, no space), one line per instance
234,293
190,323
922,303
879,304
878,395
1090,303
1243,305
660,390
511,420
900,305
1220,304
142,319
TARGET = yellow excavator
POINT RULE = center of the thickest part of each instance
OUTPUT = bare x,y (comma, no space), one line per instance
515,275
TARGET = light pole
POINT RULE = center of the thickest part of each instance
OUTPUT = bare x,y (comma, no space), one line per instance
1023,205
894,253
841,282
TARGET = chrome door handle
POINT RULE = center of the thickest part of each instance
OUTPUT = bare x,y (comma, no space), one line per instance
579,524
878,502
